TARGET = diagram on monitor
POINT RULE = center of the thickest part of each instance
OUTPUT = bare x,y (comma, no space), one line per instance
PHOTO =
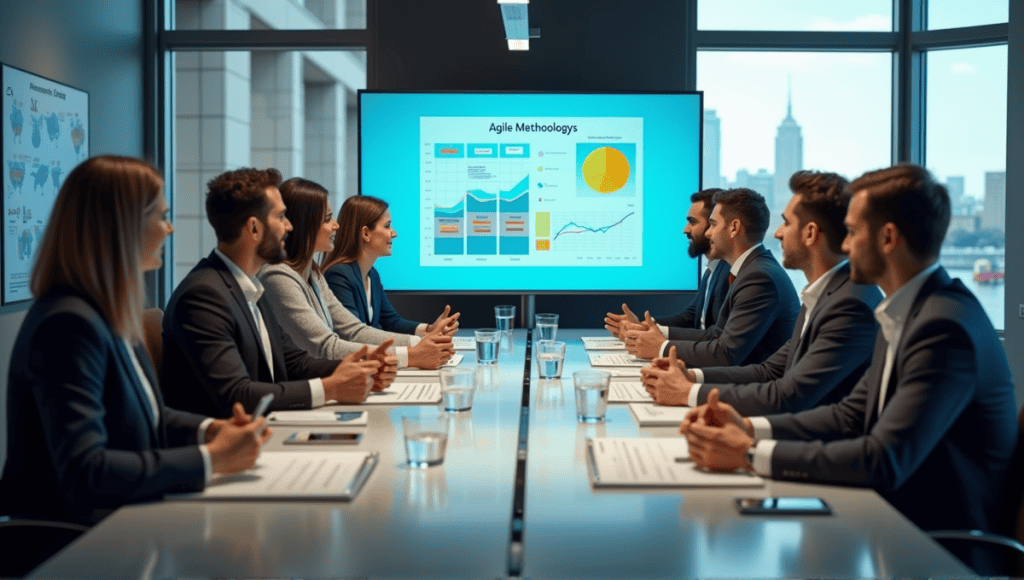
533,191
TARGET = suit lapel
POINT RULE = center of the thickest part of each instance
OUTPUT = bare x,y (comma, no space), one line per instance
229,280
841,277
361,290
874,375
128,370
147,367
798,341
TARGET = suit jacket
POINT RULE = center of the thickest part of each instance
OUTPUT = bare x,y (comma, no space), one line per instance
346,282
212,349
756,319
943,442
820,367
81,436
690,317
298,310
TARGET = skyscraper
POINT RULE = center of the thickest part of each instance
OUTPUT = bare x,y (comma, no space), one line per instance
993,213
789,158
955,186
712,171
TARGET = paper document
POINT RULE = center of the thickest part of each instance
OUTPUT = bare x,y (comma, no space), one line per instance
294,475
318,418
406,394
653,462
415,372
628,392
602,343
616,360
651,415
463,342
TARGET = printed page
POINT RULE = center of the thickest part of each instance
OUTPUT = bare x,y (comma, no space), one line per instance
628,392
655,462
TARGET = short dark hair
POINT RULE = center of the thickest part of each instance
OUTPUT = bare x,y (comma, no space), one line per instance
907,196
707,196
749,207
306,203
824,199
235,196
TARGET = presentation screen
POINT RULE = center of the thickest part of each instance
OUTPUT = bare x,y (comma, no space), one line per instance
534,192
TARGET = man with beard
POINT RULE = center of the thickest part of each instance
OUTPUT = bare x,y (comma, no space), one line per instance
221,341
702,312
835,332
931,425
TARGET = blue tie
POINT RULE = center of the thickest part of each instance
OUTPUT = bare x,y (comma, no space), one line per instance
703,290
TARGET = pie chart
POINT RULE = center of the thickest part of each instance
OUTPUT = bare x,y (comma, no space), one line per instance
606,170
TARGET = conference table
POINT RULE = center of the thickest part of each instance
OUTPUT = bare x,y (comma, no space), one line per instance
512,498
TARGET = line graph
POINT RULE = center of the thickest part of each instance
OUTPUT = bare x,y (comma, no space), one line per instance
598,236
583,228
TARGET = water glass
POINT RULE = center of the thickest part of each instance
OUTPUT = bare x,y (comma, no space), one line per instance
503,316
457,387
487,340
546,325
550,356
426,438
591,388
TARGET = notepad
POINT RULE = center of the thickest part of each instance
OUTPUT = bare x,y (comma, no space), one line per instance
294,475
628,392
651,415
602,343
616,360
318,418
463,343
406,394
652,462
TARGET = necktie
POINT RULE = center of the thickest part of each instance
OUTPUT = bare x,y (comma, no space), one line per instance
732,277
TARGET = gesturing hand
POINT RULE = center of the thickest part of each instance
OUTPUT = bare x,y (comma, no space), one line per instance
614,322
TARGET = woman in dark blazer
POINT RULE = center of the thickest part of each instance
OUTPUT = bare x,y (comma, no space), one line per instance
87,430
366,234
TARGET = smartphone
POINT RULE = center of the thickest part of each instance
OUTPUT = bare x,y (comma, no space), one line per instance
770,506
311,438
261,409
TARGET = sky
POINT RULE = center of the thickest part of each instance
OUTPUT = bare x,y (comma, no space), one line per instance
843,101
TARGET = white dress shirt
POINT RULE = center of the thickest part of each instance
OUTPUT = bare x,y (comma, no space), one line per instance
252,289
708,271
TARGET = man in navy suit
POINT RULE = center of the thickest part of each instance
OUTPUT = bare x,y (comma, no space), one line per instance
834,335
760,308
702,311
931,425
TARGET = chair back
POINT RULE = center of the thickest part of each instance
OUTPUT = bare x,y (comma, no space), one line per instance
152,331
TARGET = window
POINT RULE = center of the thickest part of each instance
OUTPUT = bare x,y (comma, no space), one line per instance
814,15
269,14
961,13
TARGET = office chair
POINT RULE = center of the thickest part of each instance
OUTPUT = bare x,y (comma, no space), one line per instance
152,331
28,542
1004,552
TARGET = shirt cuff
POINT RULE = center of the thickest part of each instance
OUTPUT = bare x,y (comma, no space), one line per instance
402,352
694,397
201,432
207,464
762,463
421,329
664,330
317,396
762,428
698,375
663,351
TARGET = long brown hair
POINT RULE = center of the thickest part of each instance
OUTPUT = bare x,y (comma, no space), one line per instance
357,212
93,242
306,203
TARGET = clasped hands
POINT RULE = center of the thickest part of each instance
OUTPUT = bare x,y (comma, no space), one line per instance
643,338
717,435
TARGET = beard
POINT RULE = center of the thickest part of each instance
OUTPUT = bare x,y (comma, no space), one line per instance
270,249
868,267
698,245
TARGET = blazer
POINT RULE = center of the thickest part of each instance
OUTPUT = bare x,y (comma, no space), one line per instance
81,436
690,317
820,367
212,348
756,319
299,312
943,442
346,283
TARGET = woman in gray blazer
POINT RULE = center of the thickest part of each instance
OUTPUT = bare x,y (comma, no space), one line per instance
305,306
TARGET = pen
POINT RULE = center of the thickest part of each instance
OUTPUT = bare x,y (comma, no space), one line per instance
261,408
682,459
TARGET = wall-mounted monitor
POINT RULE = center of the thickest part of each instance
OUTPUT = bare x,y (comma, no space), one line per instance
45,135
534,192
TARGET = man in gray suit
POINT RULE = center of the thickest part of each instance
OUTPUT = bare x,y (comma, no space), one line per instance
931,425
833,337
702,311
761,307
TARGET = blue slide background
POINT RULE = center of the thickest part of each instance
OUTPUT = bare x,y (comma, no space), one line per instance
390,169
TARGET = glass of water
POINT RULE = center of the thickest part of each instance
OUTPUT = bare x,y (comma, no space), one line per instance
546,325
503,316
591,388
550,356
457,387
487,340
426,438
